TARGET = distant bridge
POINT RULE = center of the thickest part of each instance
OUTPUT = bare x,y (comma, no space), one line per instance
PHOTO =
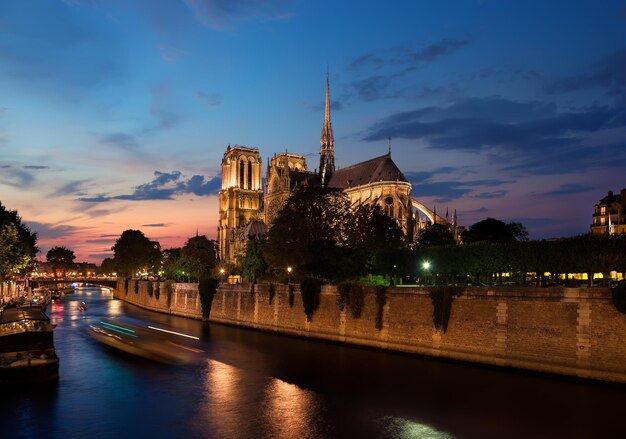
109,282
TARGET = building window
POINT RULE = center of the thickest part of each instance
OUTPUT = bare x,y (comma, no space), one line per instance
249,174
602,221
603,210
241,174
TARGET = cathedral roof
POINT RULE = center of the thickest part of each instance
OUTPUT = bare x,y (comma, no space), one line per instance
254,229
380,168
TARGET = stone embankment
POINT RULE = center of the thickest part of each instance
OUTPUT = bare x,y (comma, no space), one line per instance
569,331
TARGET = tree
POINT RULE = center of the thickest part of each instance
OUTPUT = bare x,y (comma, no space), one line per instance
435,235
198,256
25,248
107,267
496,231
12,258
307,231
61,259
134,252
170,264
252,263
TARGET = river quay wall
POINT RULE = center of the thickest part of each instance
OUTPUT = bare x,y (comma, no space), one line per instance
568,331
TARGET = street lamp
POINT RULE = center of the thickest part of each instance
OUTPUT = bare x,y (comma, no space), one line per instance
426,266
289,270
222,271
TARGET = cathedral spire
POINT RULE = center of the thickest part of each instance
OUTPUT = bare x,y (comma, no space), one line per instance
327,142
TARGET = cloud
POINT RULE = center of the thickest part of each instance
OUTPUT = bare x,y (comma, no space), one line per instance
53,231
155,225
211,100
71,187
164,186
3,109
119,140
16,177
450,190
407,55
490,195
532,137
35,167
569,188
608,73
225,14
161,107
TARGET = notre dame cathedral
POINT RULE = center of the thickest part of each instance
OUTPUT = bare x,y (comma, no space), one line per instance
247,209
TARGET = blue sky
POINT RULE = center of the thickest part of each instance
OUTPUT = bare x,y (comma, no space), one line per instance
115,114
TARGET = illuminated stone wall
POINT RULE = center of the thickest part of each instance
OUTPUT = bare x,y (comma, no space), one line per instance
568,331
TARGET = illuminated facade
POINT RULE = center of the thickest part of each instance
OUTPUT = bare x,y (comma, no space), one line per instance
246,210
609,215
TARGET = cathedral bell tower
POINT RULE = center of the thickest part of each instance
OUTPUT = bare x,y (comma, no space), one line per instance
241,197
327,142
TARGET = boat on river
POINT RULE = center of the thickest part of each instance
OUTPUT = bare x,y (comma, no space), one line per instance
147,342
27,353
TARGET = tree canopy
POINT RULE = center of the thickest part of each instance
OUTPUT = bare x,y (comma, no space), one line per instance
61,259
18,245
107,267
198,257
435,235
134,252
496,231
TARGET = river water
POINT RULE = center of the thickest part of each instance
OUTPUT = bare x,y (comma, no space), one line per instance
257,385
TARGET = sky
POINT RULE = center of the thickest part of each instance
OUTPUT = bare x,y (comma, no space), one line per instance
115,114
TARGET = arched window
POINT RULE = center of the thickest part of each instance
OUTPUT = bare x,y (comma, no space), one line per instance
241,174
389,206
249,174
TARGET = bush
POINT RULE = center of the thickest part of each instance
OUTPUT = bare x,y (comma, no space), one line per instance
343,297
442,298
291,295
169,290
381,300
137,286
618,294
272,293
206,289
356,300
150,289
126,285
157,290
310,289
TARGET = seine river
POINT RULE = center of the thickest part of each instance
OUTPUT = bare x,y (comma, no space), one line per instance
257,385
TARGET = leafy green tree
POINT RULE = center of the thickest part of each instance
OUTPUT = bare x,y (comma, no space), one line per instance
493,230
170,262
253,265
23,256
61,259
134,252
435,235
12,258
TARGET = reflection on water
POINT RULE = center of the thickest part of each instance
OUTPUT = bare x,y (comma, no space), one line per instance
404,429
258,385
291,411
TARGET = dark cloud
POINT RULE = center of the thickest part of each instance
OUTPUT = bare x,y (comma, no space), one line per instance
34,167
449,190
164,186
407,55
211,100
490,195
530,137
102,255
570,188
608,73
225,14
154,225
16,177
100,241
475,211
53,231
71,187
119,140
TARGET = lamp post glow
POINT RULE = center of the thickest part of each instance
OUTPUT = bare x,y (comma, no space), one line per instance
426,267
222,271
289,270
